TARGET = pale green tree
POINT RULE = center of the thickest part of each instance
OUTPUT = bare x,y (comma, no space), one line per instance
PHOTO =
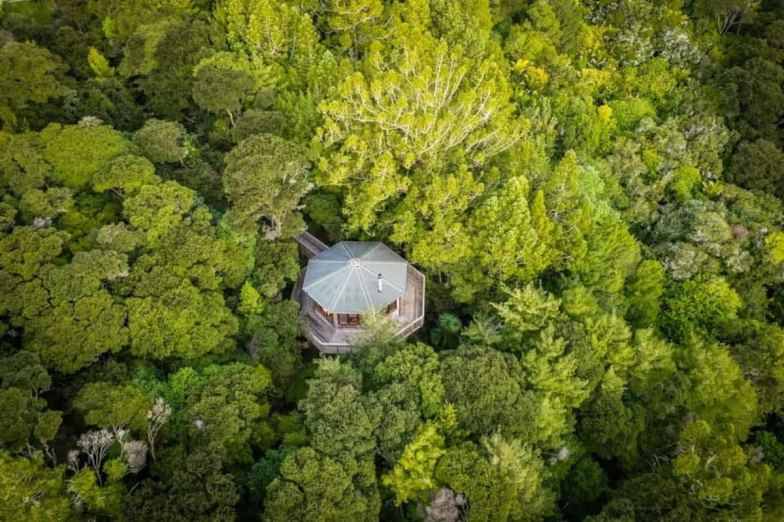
412,104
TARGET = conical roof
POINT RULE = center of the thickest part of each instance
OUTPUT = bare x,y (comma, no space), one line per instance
344,279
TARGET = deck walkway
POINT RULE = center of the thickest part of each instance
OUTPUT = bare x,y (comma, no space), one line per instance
309,244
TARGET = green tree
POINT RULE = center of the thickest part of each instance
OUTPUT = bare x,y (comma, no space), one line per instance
69,318
412,476
99,64
644,292
32,490
226,82
157,209
272,33
162,141
719,393
728,15
698,306
757,346
126,173
409,391
568,207
501,479
119,20
447,330
484,386
177,307
277,264
105,405
719,473
29,76
609,426
352,20
585,483
21,414
194,487
79,152
754,97
95,497
22,166
265,178
224,406
340,419
314,487
516,250
758,165
412,107
159,57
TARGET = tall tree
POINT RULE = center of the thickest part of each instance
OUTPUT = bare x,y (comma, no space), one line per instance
29,76
265,178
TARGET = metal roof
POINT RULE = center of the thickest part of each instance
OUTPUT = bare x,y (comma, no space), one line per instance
345,278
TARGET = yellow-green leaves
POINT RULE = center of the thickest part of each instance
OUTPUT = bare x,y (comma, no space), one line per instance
156,209
126,173
99,64
415,103
775,245
272,33
78,152
250,300
412,477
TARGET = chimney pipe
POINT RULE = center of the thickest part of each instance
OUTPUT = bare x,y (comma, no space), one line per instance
380,284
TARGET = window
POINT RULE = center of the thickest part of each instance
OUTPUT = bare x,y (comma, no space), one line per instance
323,311
348,319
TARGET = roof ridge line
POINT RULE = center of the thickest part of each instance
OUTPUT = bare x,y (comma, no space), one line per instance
348,251
339,293
365,293
378,244
323,278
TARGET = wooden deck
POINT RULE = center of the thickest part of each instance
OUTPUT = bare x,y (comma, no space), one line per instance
331,340
309,245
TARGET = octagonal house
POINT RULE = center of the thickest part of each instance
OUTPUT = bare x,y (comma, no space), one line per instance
343,283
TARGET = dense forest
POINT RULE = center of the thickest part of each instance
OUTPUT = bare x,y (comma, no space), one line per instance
594,190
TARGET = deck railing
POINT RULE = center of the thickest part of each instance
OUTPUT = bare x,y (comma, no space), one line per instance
331,340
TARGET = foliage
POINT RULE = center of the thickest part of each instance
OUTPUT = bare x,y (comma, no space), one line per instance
32,490
225,82
412,476
77,153
29,76
593,190
224,406
265,178
339,419
314,487
162,141
106,406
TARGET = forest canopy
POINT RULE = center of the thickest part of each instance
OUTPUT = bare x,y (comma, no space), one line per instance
594,190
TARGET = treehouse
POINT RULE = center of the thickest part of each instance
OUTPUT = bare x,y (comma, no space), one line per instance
349,280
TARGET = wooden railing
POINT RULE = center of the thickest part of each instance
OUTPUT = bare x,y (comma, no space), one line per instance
331,340
418,317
